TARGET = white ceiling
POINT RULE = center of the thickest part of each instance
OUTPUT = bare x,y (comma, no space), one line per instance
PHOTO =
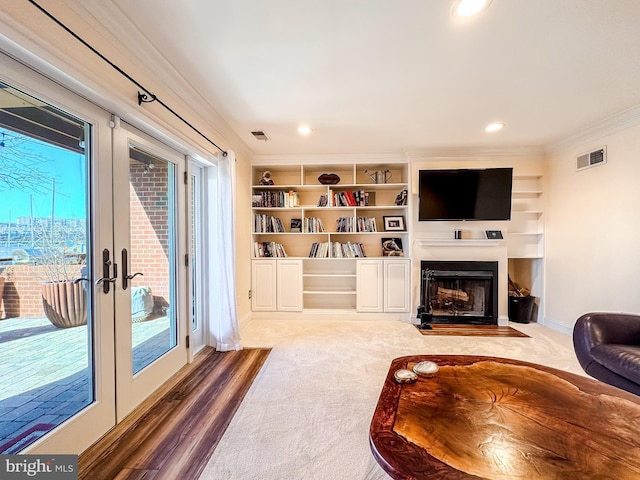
389,76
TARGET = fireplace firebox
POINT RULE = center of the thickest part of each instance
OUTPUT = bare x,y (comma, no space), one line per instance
459,292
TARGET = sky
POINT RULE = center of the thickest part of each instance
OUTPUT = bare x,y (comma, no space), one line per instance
66,167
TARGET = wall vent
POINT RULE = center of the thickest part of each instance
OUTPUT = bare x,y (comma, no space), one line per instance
260,135
592,158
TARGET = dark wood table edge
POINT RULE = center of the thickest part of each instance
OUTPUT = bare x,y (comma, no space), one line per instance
382,437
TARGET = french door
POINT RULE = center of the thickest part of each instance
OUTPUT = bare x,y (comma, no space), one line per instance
105,206
149,285
57,356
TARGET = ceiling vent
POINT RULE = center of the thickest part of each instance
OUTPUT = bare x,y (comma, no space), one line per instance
592,158
260,135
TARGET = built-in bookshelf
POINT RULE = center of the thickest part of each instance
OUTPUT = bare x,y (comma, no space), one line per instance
526,229
298,217
299,211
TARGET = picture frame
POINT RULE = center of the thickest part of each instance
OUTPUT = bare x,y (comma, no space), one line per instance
401,198
394,223
493,234
392,247
296,225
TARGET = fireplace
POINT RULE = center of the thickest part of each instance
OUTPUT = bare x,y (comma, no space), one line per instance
461,292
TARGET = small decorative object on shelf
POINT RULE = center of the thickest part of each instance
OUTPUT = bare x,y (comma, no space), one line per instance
296,225
401,199
426,369
493,234
405,376
379,176
329,179
394,223
266,179
392,247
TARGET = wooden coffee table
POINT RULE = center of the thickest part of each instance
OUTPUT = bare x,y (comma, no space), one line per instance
495,418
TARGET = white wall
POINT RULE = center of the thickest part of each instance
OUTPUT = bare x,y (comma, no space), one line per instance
592,249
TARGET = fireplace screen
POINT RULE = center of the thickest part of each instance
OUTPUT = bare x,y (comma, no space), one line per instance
458,292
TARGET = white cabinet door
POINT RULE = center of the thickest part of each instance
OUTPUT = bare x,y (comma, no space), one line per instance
397,285
289,285
263,285
369,288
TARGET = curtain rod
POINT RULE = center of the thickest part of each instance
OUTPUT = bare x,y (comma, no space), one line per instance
147,96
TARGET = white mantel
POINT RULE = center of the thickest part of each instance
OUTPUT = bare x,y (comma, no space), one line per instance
439,242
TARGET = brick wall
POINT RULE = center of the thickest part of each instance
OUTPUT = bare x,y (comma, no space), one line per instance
149,205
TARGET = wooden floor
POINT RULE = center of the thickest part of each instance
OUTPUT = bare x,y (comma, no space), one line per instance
173,434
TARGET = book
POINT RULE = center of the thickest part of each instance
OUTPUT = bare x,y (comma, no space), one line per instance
268,249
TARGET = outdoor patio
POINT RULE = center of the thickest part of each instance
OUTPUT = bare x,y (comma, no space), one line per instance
45,376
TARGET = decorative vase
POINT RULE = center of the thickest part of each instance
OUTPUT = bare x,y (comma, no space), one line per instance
65,303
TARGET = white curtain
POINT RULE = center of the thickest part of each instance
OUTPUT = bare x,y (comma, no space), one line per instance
224,332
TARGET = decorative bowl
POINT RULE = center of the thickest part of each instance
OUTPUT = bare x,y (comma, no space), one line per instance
405,376
426,369
329,179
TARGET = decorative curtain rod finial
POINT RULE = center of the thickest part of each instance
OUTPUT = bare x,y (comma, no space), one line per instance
144,98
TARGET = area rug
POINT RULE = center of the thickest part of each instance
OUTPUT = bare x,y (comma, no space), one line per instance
473,331
308,412
16,444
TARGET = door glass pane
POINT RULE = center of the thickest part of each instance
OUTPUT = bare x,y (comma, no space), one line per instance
152,188
195,211
46,357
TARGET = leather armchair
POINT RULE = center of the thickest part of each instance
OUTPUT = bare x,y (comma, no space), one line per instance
608,348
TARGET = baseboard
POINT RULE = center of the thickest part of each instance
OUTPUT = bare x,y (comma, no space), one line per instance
559,327
246,318
330,315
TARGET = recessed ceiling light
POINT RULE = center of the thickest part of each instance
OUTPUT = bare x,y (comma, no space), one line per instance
494,127
304,130
467,8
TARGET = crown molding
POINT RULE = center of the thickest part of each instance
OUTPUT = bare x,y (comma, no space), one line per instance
472,153
327,158
608,126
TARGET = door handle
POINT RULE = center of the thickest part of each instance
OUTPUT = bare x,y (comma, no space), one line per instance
125,270
107,279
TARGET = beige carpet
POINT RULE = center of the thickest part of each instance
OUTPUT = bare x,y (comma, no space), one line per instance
307,414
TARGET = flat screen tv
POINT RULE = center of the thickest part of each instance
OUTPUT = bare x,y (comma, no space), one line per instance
465,194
